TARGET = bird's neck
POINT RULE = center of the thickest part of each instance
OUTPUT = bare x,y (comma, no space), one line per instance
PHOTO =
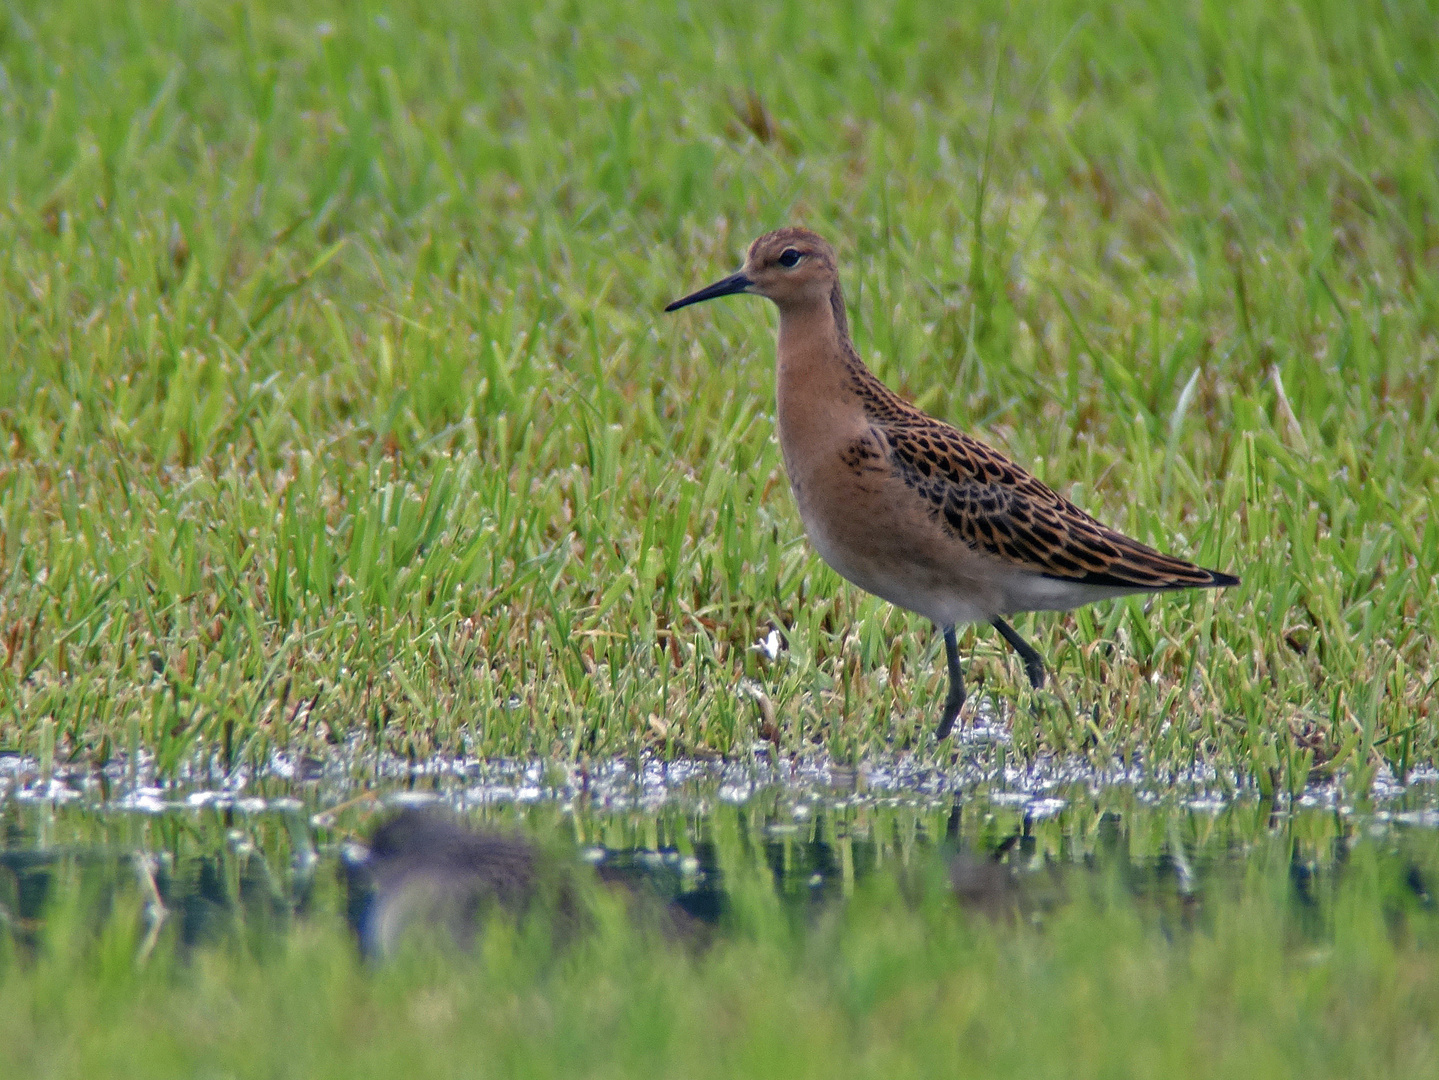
819,378
815,355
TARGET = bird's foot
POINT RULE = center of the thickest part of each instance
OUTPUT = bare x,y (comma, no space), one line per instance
1035,671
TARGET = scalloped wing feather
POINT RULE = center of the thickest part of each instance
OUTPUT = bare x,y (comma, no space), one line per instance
994,506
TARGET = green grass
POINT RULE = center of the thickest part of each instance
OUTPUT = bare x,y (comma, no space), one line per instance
336,403
1300,952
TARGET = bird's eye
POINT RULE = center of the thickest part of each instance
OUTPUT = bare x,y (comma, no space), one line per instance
788,257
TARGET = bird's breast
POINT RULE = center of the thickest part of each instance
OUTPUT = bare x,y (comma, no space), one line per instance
868,526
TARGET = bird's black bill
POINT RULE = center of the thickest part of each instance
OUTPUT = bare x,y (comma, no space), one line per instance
735,283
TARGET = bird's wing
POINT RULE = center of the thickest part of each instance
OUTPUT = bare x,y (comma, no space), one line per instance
994,506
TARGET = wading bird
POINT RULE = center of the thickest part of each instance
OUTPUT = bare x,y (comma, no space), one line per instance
909,508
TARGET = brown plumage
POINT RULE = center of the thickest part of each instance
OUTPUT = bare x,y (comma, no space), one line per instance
906,506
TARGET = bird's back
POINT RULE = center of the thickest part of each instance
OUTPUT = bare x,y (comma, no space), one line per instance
909,495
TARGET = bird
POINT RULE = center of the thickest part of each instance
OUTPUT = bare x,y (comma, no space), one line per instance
426,872
906,506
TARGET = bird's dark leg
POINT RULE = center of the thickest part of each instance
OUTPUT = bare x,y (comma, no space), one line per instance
955,701
1033,662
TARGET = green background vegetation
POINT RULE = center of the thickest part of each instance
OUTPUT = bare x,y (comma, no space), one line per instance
337,413
336,404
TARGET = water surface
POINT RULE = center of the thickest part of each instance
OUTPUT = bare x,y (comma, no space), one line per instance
255,851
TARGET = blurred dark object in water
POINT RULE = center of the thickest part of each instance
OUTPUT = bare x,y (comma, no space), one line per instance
985,885
425,870
657,900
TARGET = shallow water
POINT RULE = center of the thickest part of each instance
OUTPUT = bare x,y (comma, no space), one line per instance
256,850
